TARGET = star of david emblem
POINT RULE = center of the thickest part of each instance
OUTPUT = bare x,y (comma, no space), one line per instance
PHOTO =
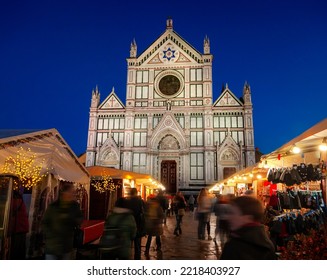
169,54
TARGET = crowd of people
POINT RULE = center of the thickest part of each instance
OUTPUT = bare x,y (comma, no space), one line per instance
239,232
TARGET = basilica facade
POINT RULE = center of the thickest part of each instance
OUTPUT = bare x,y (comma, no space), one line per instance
170,126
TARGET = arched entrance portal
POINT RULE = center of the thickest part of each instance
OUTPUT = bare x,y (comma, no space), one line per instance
168,175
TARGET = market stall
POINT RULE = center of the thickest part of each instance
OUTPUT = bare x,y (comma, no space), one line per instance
107,184
37,162
251,178
300,164
296,194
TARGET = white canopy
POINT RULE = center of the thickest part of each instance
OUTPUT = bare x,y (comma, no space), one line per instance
308,142
47,145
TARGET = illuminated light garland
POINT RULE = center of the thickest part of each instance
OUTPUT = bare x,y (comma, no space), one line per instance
24,166
106,184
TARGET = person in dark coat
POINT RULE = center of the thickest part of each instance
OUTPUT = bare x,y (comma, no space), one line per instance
163,201
179,205
59,223
136,205
120,223
249,240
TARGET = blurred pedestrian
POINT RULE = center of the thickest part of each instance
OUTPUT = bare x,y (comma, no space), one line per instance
59,223
153,222
119,231
179,205
222,210
18,227
203,213
169,211
163,201
191,201
136,204
249,240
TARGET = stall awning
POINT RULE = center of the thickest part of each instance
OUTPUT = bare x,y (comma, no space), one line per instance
139,178
308,142
246,175
48,146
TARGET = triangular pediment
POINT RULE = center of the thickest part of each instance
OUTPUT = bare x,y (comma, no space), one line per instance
227,99
229,142
112,102
108,153
169,48
168,125
228,149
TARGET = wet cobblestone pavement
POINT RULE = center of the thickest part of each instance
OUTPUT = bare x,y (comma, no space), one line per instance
185,246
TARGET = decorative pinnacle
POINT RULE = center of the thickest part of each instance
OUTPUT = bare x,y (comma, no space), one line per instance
169,23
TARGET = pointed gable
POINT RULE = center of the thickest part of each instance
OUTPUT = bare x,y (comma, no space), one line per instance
168,125
109,152
227,99
169,48
112,102
229,149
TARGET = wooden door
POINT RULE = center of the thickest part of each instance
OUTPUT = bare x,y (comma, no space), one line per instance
168,175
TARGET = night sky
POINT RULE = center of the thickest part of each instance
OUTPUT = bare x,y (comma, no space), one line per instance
53,53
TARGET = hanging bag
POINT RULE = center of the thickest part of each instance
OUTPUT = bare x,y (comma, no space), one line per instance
181,212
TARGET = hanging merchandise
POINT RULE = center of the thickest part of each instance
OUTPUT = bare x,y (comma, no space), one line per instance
295,175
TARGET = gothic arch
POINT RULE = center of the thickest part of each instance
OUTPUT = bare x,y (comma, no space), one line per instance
108,156
169,142
156,140
109,153
229,154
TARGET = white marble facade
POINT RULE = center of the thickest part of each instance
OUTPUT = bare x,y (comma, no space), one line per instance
170,126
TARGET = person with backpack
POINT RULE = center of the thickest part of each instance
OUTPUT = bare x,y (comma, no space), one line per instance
153,222
119,231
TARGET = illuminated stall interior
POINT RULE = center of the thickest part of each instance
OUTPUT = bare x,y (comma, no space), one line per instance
101,202
250,178
307,149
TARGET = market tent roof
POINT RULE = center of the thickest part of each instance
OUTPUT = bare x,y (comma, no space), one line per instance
308,142
5,133
48,146
97,171
243,175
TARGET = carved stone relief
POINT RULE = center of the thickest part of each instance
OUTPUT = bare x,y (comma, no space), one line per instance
169,143
229,155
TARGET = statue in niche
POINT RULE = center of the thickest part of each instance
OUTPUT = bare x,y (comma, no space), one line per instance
168,105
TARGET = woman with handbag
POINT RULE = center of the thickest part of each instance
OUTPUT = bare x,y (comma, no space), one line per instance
179,208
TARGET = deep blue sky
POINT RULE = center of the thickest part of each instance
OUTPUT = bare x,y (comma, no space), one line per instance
52,53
